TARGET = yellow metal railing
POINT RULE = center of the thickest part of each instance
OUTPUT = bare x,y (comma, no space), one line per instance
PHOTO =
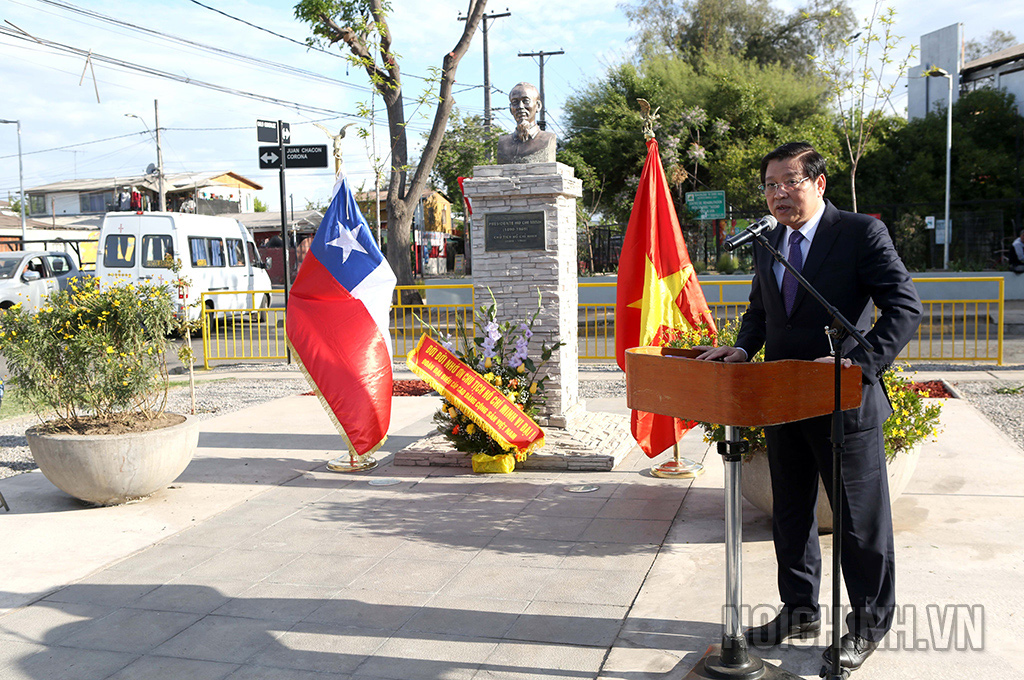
953,330
412,316
250,333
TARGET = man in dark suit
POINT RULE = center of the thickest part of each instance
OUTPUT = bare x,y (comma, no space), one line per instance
850,260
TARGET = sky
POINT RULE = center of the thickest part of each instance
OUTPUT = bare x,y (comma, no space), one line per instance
68,134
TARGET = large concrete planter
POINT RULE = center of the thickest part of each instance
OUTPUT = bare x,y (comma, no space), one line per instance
757,487
113,469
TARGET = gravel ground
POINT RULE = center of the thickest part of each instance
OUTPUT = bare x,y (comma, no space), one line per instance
218,397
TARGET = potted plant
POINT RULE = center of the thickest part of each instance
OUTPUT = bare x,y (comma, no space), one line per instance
91,363
500,354
904,431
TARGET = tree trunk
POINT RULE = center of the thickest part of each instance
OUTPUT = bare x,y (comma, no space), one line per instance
853,185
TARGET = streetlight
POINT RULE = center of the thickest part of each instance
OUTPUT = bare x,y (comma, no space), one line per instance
936,72
159,151
21,178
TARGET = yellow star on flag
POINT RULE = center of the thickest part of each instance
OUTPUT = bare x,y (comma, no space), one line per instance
658,306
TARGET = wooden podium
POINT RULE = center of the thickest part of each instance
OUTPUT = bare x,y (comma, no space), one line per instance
670,382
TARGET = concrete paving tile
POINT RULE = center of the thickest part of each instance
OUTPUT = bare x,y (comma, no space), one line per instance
170,668
627,531
284,538
330,572
214,533
134,631
321,647
277,602
613,556
108,588
255,512
508,490
222,638
13,652
468,616
539,661
519,583
653,488
165,561
571,506
66,663
408,576
384,609
512,551
268,673
186,595
354,541
454,526
491,505
548,528
646,663
606,487
640,508
592,586
588,625
47,622
236,564
418,549
428,657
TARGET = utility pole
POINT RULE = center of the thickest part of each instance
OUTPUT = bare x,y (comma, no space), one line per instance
159,157
540,119
487,68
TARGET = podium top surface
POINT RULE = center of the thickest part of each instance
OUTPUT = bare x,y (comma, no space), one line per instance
671,382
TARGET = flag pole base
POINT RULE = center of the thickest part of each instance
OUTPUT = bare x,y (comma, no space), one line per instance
349,464
684,468
677,468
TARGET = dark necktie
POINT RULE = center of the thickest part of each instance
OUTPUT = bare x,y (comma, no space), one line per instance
789,283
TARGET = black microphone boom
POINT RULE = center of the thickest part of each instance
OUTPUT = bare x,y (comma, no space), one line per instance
766,223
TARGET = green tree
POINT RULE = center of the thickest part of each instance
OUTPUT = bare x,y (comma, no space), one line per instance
996,40
362,25
751,29
716,122
258,205
14,203
466,144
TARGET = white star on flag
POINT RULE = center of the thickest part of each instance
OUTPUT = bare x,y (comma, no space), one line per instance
347,242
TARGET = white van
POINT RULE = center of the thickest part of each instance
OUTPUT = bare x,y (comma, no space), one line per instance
217,254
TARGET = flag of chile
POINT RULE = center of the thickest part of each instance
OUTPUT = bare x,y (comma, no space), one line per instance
337,322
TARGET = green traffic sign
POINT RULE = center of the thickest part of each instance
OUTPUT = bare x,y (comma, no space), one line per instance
710,204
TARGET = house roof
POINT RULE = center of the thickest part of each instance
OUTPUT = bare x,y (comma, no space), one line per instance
174,181
261,221
995,59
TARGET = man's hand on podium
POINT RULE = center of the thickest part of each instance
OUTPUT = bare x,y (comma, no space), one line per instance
729,355
831,360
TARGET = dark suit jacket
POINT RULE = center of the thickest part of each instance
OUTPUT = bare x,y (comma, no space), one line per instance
852,263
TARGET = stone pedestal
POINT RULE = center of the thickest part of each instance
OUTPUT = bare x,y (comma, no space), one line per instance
547,264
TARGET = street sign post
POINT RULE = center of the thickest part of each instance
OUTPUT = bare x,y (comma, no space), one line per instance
710,204
296,156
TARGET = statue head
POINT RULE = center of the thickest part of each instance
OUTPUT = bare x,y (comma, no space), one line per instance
524,103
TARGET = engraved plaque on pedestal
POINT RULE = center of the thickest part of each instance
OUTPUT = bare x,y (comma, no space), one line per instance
514,231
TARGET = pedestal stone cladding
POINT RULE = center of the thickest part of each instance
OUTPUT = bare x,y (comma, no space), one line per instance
515,276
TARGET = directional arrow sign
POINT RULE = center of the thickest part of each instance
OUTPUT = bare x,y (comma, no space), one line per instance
286,132
297,156
269,158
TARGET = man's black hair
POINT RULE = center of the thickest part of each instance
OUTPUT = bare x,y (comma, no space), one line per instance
812,161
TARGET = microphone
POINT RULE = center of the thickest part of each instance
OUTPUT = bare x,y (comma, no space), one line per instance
766,223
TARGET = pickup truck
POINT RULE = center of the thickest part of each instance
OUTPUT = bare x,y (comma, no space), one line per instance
28,277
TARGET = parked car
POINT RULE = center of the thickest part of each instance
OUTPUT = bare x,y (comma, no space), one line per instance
27,277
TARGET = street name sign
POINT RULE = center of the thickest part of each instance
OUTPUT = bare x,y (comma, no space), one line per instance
297,156
266,131
710,204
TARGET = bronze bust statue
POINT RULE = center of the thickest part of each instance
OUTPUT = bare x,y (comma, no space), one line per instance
528,144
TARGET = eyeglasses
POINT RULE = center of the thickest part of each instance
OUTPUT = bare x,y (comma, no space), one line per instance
771,188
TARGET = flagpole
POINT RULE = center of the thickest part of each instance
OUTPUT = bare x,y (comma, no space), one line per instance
678,467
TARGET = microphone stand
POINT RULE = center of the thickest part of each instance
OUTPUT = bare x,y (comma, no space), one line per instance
837,332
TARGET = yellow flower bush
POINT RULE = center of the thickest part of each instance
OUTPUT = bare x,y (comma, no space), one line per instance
82,355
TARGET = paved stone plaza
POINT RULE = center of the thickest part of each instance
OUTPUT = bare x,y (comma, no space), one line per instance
258,563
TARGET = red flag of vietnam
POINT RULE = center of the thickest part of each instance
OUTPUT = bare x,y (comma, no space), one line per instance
657,295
